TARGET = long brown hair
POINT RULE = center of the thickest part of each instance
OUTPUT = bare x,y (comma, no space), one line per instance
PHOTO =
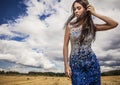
88,25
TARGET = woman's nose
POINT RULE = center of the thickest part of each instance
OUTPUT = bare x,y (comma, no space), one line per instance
76,11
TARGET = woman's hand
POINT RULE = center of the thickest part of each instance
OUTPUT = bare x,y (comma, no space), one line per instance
90,8
68,71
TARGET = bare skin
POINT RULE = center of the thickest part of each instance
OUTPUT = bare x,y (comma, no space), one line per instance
78,10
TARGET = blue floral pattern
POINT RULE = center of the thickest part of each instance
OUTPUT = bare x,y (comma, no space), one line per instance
83,62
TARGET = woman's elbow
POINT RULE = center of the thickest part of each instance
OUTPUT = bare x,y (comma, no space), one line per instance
115,24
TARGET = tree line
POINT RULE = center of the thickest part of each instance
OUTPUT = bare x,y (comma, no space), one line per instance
32,73
109,73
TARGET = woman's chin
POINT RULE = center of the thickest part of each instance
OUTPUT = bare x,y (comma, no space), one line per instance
76,16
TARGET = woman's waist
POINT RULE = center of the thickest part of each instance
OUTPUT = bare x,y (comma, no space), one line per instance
83,51
81,54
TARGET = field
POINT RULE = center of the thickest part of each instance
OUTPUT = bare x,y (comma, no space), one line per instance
45,80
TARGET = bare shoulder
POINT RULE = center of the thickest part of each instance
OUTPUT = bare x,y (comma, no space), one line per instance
67,29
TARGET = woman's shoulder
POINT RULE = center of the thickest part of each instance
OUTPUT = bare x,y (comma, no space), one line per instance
71,23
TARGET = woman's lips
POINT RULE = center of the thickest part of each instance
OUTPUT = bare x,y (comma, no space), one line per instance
77,15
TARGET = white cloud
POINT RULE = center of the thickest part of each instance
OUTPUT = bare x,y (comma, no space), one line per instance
23,54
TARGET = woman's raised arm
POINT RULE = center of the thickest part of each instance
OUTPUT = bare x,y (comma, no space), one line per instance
109,23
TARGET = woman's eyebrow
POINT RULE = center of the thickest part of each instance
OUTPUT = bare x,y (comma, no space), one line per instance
77,7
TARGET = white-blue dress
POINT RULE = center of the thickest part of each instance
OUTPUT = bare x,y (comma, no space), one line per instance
83,62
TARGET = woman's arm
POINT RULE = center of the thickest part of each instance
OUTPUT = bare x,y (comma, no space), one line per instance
110,23
65,51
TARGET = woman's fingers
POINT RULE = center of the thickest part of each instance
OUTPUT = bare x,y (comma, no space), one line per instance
90,8
89,5
68,73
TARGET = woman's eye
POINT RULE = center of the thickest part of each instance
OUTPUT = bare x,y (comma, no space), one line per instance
78,8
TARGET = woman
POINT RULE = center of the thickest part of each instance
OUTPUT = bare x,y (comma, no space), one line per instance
83,67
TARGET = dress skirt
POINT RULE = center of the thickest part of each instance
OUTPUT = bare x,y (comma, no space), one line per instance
85,68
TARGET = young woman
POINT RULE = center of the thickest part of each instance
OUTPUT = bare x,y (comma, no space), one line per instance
83,67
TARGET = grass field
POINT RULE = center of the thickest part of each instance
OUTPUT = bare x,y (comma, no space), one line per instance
45,80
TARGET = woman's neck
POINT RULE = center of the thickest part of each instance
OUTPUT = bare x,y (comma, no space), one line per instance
81,22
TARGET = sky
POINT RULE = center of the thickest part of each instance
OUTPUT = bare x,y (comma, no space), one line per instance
31,36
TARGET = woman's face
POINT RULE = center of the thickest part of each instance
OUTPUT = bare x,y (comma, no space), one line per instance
78,9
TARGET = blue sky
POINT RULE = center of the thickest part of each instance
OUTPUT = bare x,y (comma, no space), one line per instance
31,36
11,9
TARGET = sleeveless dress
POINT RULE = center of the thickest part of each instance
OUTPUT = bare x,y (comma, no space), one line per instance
84,65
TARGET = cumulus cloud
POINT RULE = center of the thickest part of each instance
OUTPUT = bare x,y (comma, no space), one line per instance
41,32
23,54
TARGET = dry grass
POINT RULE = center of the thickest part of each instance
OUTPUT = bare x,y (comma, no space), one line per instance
44,80
110,80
